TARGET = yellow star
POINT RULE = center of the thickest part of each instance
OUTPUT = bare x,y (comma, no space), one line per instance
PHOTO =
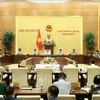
39,39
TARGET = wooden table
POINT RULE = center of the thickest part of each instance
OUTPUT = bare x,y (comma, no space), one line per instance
34,91
80,95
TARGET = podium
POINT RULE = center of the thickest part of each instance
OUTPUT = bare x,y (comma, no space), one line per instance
49,47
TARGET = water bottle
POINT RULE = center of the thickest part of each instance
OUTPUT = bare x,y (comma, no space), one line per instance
41,86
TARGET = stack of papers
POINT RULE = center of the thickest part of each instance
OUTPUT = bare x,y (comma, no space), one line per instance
86,89
26,87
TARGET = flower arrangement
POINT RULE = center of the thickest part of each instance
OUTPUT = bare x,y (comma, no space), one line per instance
48,42
48,60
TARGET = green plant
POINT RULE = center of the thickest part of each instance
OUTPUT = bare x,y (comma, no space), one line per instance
89,39
8,37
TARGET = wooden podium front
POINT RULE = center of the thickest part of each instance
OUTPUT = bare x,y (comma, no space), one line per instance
49,47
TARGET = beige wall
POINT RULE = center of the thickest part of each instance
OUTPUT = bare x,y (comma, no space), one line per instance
89,10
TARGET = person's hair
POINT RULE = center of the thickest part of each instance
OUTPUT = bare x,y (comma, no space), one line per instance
9,91
53,90
70,62
62,75
96,79
19,49
92,61
97,50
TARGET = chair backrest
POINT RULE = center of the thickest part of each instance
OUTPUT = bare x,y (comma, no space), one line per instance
29,97
91,73
12,66
0,70
1,96
66,97
95,97
72,74
44,76
75,85
19,75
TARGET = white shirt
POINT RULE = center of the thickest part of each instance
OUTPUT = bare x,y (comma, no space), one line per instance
47,52
35,53
19,52
70,66
60,53
93,66
73,53
64,86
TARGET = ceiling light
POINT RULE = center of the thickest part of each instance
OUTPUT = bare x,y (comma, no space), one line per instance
48,1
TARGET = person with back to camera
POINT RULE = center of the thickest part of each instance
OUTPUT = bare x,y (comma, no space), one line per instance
3,86
92,63
95,88
52,92
63,85
70,64
9,92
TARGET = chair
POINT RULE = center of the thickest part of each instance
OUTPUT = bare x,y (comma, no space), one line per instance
0,70
19,75
91,73
29,97
72,74
66,97
96,97
75,85
1,96
11,66
44,76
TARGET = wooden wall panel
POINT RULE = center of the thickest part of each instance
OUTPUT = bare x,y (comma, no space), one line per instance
71,12
7,5
72,5
8,26
26,12
6,12
6,19
90,5
89,19
89,10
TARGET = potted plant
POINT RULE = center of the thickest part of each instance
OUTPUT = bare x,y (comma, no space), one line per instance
89,39
8,37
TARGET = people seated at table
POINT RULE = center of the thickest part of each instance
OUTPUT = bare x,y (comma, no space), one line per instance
73,52
63,85
97,54
9,92
0,53
3,86
35,52
92,64
70,64
48,40
47,52
60,52
90,53
52,92
95,88
19,52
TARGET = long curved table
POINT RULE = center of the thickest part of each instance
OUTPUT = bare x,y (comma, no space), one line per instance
81,59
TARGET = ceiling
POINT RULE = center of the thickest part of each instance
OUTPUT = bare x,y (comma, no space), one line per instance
49,0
